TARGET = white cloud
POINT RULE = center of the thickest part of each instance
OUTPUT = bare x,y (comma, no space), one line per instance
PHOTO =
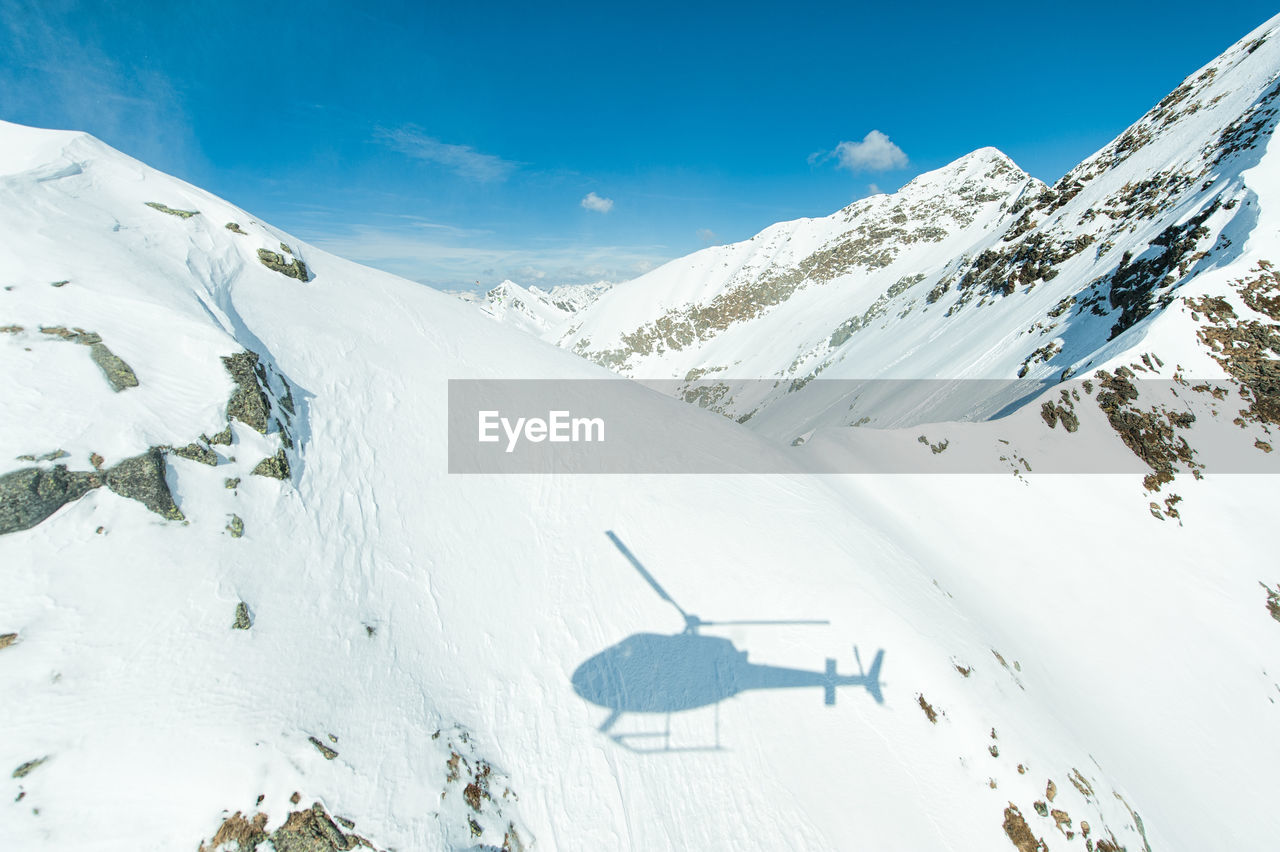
707,235
460,159
873,188
875,153
596,203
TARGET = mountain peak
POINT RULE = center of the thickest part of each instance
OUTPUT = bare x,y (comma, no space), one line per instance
986,164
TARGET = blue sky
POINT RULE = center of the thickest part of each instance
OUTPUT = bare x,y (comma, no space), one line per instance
565,142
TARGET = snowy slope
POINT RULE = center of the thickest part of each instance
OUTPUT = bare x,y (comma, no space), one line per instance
390,601
426,628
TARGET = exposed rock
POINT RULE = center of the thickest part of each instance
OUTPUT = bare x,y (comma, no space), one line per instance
234,227
195,452
310,830
277,466
243,833
1135,283
1086,789
25,769
1152,434
30,495
1019,833
7,639
231,482
222,438
1063,411
119,374
295,269
329,754
72,335
1273,601
164,208
313,831
1246,349
141,478
236,527
244,618
248,402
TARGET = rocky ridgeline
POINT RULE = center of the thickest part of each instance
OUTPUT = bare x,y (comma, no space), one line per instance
870,235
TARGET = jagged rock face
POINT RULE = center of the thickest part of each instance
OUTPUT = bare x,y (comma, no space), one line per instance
292,268
307,830
141,478
248,403
29,496
973,271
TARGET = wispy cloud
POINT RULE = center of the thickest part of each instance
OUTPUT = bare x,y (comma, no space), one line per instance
69,81
462,160
596,203
707,235
455,260
875,153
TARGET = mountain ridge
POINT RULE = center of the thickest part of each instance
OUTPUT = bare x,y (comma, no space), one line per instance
1059,273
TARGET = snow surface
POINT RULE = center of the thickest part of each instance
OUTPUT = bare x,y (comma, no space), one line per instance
392,600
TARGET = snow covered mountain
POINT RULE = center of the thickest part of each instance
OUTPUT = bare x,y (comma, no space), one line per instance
533,309
247,607
975,271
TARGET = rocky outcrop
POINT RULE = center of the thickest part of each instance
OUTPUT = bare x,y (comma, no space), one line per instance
293,269
276,467
30,495
248,402
114,368
308,830
141,478
164,208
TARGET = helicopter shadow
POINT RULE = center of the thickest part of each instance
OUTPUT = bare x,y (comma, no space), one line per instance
653,673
